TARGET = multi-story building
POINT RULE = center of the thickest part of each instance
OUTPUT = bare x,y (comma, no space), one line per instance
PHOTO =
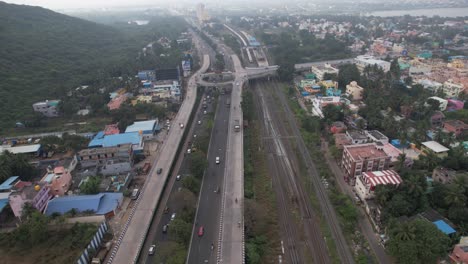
320,70
376,136
363,61
457,127
354,91
27,192
442,102
356,136
99,156
58,180
443,175
365,183
48,108
363,157
452,89
460,252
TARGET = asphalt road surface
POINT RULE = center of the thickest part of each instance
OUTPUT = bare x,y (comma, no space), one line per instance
155,235
209,206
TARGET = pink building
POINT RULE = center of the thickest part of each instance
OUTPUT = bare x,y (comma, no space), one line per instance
58,180
27,192
460,252
116,102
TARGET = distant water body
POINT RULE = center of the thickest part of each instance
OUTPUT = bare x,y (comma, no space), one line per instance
442,12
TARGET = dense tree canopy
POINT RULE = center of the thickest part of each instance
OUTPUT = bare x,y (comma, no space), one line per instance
418,241
45,54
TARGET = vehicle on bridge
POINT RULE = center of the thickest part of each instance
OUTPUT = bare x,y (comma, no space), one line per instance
236,125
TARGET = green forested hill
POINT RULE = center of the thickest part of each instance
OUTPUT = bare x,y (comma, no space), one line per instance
43,54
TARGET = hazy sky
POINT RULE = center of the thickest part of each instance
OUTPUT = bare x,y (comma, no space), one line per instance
65,4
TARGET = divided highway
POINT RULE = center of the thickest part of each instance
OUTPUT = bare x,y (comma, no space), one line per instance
128,244
208,212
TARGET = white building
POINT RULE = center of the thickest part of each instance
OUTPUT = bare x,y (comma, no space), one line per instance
442,102
363,61
354,90
365,183
320,70
48,108
452,89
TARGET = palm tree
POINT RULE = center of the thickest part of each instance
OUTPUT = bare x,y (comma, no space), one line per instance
405,232
455,196
401,162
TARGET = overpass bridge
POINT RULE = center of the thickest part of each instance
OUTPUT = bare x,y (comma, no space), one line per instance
250,73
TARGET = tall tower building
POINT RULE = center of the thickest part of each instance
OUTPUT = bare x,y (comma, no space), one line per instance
202,14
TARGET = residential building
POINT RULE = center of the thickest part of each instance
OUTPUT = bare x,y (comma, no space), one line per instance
99,156
437,119
363,61
27,192
48,108
321,70
376,136
354,91
443,175
101,204
58,180
329,84
341,139
365,183
442,102
435,147
202,14
147,128
457,127
356,136
363,157
452,89
459,253
116,167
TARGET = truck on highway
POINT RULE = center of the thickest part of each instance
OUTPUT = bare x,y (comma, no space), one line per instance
236,125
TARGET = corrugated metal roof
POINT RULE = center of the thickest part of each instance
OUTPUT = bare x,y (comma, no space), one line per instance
101,203
141,126
7,184
444,227
22,149
119,139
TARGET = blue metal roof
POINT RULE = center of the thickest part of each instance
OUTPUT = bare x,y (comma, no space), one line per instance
3,204
97,140
444,227
119,139
101,203
144,126
8,183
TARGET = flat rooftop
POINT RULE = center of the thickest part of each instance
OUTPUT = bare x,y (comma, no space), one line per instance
435,146
365,151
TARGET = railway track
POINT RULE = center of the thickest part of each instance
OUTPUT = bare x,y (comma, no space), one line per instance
321,193
289,189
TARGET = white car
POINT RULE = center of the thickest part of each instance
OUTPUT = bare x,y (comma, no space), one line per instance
152,250
189,151
199,122
217,160
178,177
204,112
173,216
